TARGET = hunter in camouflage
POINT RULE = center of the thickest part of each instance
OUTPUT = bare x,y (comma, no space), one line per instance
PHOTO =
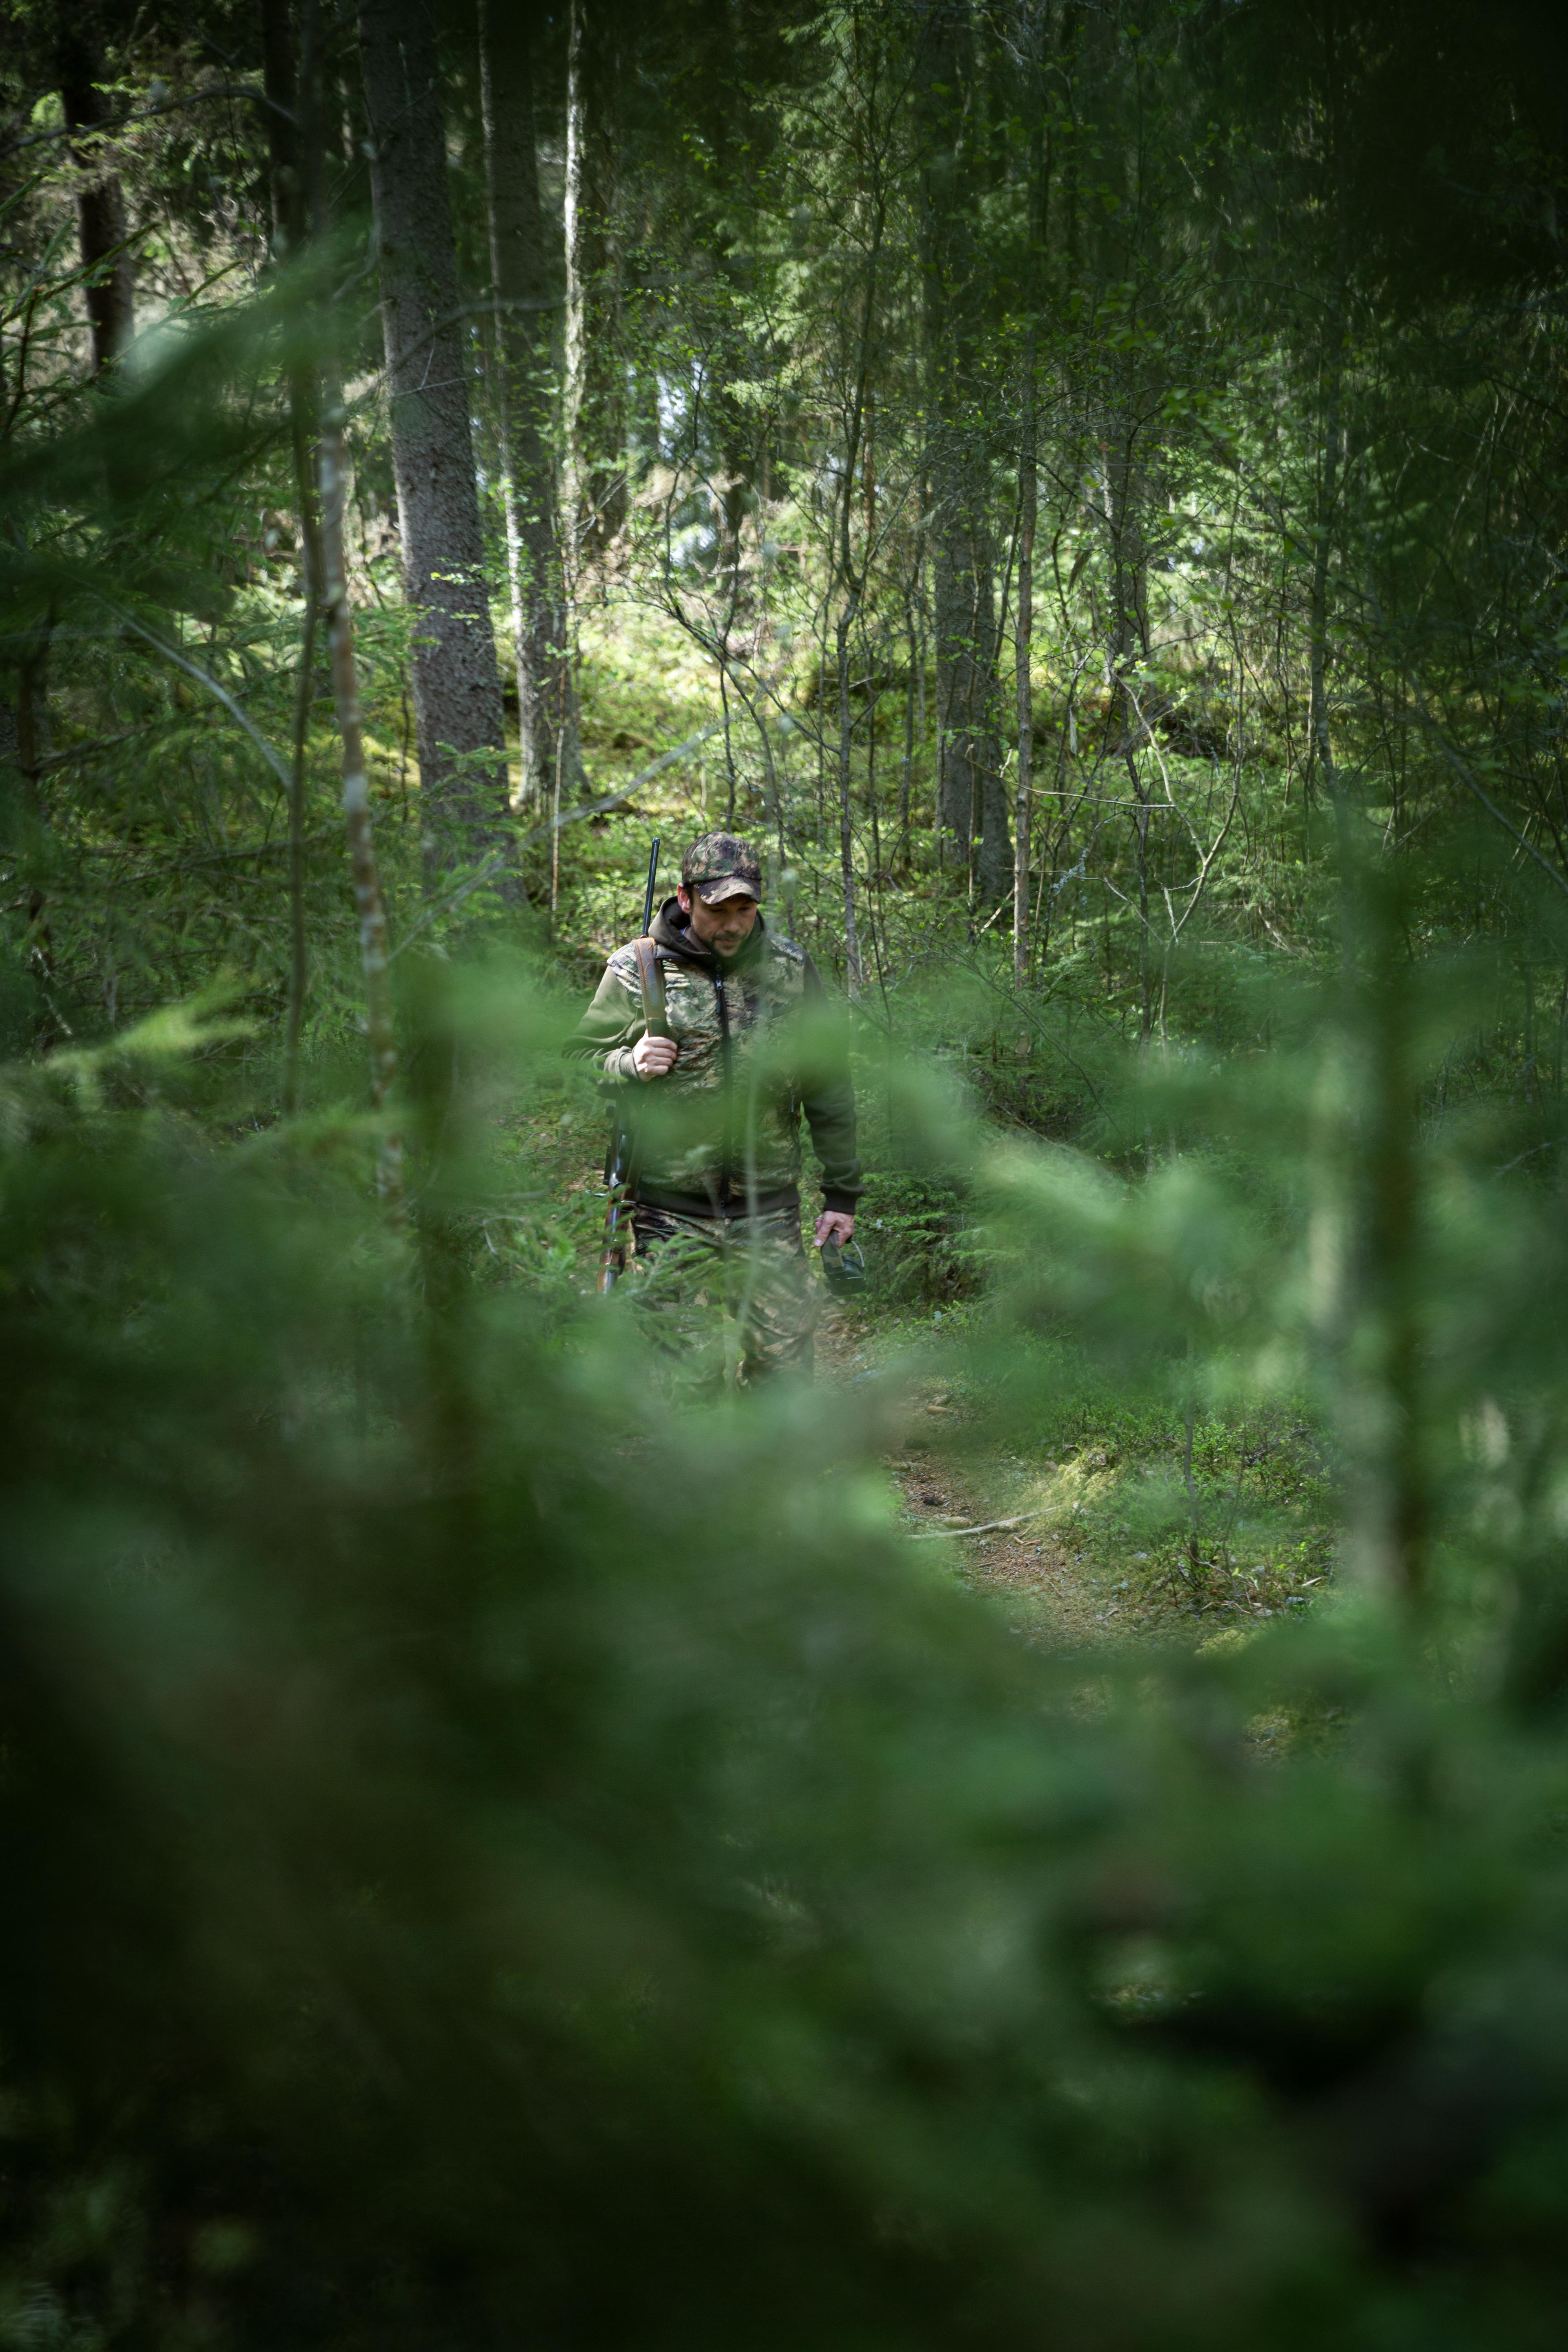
752,1043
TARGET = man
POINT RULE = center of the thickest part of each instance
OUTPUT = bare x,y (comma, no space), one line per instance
715,1182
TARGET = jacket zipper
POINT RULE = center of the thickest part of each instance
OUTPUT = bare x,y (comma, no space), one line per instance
726,1048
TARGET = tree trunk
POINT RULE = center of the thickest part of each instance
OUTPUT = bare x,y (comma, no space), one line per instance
991,849
1320,749
285,145
1037,194
521,276
853,578
458,712
1024,638
911,691
972,795
971,806
734,356
1320,742
1128,644
101,200
290,108
368,901
34,742
950,610
595,405
845,805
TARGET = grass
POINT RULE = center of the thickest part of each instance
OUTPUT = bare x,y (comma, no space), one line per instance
1235,1519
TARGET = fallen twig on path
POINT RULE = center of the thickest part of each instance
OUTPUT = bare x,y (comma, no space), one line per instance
987,1527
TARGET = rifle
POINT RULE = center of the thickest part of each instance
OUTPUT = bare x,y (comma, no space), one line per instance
618,1160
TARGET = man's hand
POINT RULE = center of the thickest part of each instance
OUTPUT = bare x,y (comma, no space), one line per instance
653,1056
834,1225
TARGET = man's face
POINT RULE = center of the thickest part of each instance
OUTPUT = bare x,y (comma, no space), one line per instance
725,927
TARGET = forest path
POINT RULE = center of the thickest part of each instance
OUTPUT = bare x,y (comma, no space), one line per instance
1045,1580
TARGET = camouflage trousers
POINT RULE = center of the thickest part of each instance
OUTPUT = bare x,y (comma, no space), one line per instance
732,1299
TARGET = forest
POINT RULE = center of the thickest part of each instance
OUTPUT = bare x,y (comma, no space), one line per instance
1051,1831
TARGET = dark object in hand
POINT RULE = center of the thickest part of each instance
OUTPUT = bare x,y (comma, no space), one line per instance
844,1270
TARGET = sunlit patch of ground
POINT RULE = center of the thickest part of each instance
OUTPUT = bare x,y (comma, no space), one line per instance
1006,1529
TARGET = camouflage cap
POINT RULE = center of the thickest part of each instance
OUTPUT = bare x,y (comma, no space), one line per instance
718,867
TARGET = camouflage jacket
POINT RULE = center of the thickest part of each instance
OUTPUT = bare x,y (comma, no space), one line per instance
758,1043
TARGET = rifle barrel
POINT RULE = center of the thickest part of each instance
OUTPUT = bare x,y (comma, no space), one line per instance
652,878
618,1168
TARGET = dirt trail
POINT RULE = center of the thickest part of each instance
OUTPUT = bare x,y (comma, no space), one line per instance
1034,1569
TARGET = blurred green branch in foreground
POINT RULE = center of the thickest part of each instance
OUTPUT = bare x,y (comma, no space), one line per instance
489,1860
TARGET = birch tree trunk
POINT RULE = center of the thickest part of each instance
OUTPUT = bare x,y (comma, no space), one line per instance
102,225
595,402
521,276
458,712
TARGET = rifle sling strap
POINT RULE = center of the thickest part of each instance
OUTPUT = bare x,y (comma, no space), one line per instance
650,980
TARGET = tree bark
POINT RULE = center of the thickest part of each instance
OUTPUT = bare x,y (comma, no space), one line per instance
595,404
1320,749
368,901
972,795
101,224
911,688
845,805
280,83
34,742
1122,493
458,712
972,803
521,278
853,577
1024,638
1037,195
291,129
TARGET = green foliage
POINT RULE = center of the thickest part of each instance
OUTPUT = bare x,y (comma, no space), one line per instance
1238,1516
493,1858
488,1841
916,1239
